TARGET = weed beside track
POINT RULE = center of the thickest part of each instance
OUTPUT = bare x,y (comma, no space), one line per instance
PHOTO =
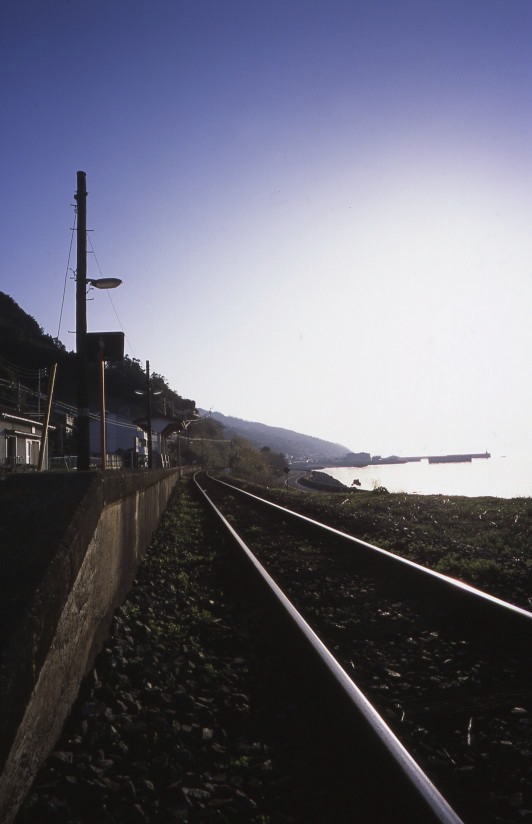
482,541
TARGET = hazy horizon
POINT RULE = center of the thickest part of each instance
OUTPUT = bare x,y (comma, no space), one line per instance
320,209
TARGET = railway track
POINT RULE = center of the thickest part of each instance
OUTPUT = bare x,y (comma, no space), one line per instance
429,677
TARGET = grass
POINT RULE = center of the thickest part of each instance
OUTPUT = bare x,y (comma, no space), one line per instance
483,541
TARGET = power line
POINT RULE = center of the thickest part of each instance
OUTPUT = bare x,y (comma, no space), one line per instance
109,295
66,273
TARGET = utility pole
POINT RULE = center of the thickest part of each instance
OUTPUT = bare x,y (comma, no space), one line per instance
81,325
148,416
44,435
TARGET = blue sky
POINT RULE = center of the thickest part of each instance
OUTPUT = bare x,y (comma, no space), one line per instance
321,210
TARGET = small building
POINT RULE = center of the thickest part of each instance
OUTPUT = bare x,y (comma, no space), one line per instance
122,437
162,427
20,441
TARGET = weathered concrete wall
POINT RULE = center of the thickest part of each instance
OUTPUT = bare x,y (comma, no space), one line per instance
66,618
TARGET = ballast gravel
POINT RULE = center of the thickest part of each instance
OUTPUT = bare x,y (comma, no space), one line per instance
188,714
191,714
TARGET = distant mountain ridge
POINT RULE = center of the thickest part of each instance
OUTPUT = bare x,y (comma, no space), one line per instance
24,345
293,444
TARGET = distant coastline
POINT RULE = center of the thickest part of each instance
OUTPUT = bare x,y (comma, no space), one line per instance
362,459
507,477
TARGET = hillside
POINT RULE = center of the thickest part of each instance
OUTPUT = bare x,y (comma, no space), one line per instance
293,444
26,351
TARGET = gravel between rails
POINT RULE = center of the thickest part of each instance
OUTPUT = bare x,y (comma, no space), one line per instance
184,716
460,706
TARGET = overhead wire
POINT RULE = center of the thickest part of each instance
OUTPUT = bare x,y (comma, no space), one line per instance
109,295
57,404
72,231
66,273
21,371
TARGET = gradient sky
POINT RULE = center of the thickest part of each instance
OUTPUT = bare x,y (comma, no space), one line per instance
321,209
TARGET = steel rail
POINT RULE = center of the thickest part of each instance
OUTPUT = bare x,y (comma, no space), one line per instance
488,599
426,790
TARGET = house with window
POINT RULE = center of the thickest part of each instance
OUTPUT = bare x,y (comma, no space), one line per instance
20,441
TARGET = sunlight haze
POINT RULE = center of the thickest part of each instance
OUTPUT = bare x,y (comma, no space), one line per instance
321,210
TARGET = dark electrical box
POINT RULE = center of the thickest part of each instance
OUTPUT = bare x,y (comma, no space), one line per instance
106,345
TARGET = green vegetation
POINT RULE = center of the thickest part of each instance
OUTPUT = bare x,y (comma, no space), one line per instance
483,541
206,444
129,612
243,761
26,349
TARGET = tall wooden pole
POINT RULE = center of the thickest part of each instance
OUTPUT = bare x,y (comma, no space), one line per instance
44,436
103,438
81,326
148,416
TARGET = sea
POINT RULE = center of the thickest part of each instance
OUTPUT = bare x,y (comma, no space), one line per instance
499,476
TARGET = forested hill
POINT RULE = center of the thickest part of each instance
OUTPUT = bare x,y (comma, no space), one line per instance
290,443
25,349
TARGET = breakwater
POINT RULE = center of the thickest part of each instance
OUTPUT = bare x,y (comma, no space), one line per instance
466,457
502,477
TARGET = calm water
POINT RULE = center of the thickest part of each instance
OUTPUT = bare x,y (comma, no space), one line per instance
508,477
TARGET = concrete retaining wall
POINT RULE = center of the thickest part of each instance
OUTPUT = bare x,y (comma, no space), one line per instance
65,619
